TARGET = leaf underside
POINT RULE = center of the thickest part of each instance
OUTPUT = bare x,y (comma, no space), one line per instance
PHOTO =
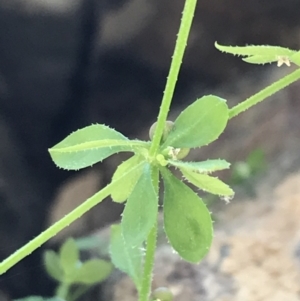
90,145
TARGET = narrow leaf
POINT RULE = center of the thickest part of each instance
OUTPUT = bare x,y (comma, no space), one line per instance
199,124
207,166
253,50
141,210
295,58
53,265
260,59
133,170
207,183
93,271
187,221
90,145
69,256
126,258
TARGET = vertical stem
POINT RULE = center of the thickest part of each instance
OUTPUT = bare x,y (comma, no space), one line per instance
263,94
63,291
148,266
150,250
181,42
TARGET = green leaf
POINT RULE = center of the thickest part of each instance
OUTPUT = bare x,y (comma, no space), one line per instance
253,50
295,58
262,54
93,271
187,221
199,124
53,265
90,145
260,59
207,183
141,210
256,161
163,294
133,169
69,256
125,257
207,166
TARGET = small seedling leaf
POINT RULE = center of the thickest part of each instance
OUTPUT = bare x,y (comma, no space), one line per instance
93,271
187,221
199,124
133,170
256,161
90,145
53,265
141,210
69,256
207,166
126,258
207,183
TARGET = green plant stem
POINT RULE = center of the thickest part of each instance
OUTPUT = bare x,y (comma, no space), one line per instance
181,42
148,266
145,290
79,291
63,291
263,94
58,226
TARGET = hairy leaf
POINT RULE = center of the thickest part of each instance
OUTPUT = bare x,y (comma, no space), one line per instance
125,257
260,54
199,124
141,210
207,166
90,145
253,50
187,221
133,170
207,183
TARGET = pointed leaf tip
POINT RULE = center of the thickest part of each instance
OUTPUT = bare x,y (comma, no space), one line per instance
207,183
205,167
90,145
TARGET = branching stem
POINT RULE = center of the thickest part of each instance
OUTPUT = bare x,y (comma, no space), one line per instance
265,93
